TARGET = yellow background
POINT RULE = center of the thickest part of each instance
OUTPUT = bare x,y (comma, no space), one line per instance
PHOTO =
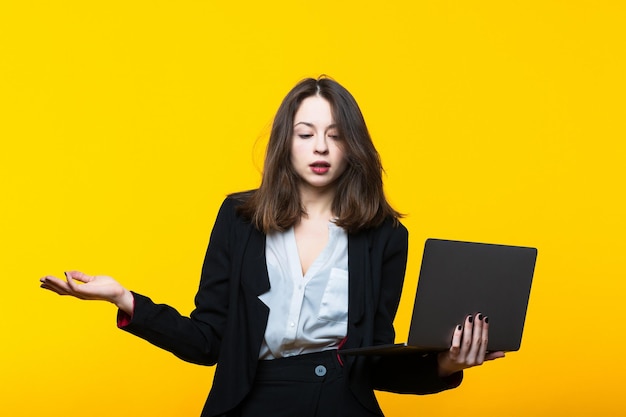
123,124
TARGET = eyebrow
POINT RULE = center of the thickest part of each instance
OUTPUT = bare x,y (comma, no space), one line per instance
332,126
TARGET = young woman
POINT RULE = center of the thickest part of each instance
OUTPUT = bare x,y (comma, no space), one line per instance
311,262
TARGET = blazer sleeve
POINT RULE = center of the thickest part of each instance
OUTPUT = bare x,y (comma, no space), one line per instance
196,338
408,373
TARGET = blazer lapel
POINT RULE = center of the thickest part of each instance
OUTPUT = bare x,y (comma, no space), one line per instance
254,276
358,259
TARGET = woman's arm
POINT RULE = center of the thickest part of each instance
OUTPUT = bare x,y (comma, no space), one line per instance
423,373
194,339
410,373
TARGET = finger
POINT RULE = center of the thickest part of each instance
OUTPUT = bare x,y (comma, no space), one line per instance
466,339
55,290
73,287
60,290
79,276
80,289
76,288
49,278
55,282
494,355
54,285
455,348
482,351
472,357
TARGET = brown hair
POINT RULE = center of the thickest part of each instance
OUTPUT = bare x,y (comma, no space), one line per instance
359,202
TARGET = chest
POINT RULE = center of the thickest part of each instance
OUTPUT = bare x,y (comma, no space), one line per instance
311,238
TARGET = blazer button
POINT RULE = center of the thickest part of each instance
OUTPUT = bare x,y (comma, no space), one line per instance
320,370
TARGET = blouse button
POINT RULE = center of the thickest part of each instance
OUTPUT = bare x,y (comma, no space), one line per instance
320,370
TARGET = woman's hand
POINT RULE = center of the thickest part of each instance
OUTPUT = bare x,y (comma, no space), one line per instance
86,287
469,346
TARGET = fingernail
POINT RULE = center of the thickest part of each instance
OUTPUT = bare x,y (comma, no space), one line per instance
480,316
486,319
470,319
458,327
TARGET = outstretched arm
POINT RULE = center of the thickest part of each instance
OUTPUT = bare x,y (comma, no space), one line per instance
88,287
197,338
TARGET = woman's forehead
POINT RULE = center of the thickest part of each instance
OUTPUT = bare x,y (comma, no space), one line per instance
314,110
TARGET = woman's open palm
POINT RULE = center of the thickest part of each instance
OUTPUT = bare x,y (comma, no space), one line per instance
86,287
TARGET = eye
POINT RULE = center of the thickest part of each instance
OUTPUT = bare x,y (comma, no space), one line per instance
305,135
334,136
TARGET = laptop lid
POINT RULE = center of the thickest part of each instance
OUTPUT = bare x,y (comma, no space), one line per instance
459,278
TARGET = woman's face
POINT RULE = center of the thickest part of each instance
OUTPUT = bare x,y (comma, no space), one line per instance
316,148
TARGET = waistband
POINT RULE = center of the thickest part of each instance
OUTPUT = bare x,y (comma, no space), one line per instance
307,367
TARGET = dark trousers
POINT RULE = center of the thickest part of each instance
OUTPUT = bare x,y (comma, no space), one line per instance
311,385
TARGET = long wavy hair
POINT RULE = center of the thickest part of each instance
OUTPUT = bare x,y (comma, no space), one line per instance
359,201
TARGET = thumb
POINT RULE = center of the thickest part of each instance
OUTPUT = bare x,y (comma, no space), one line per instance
78,276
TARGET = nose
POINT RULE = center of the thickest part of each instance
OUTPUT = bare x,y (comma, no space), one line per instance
321,146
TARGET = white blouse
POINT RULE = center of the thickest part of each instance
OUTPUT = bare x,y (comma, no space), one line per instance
307,313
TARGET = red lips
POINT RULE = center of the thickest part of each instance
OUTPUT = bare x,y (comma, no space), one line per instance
321,164
320,167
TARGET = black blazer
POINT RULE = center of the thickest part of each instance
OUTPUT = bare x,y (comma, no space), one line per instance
228,323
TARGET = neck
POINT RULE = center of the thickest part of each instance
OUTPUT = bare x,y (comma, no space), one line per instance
317,203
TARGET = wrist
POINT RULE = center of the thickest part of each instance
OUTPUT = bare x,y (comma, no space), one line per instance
445,367
125,302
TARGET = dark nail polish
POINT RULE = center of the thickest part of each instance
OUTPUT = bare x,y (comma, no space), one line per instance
459,327
486,319
480,317
470,319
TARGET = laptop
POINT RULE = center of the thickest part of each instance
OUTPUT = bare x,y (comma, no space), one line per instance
460,278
